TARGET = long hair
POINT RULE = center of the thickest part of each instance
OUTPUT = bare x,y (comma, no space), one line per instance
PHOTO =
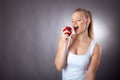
90,26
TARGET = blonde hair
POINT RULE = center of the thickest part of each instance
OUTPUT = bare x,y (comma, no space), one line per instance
90,27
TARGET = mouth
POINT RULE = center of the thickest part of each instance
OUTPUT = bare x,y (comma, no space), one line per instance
76,28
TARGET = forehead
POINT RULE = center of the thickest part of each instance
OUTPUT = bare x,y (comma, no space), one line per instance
79,14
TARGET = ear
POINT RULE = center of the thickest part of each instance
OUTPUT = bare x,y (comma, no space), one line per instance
88,21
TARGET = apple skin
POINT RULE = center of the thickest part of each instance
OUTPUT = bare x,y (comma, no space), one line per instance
68,29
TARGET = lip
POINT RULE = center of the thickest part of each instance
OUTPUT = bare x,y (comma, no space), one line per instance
76,28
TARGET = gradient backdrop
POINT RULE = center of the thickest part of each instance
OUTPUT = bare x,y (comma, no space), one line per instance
30,29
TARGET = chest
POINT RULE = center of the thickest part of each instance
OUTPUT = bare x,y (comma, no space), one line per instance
78,61
79,48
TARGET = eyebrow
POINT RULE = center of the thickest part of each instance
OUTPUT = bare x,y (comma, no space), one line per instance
77,18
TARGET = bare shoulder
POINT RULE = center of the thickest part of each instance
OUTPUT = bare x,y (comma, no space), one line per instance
97,49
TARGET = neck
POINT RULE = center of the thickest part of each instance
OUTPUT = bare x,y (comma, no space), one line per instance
83,36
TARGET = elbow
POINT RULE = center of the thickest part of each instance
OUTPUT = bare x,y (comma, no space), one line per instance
59,67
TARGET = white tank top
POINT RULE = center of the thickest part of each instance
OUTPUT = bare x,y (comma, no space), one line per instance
77,65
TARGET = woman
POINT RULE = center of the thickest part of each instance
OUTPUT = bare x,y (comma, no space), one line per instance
79,58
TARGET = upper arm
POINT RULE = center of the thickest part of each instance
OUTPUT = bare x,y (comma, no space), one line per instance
95,60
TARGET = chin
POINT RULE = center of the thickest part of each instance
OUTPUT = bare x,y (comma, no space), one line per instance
78,32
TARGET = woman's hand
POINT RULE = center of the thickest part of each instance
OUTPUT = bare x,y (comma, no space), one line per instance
64,36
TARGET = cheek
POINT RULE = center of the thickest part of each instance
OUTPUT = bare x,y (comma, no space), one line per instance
81,23
82,26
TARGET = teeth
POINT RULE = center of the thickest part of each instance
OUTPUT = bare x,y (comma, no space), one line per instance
76,27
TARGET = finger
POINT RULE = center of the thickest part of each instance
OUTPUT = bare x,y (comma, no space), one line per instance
62,29
66,35
66,31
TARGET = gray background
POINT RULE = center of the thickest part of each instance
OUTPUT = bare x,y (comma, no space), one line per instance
30,29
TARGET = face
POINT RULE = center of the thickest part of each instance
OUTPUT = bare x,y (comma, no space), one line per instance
79,22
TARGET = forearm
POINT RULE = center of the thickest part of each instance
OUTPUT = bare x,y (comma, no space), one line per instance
90,76
60,60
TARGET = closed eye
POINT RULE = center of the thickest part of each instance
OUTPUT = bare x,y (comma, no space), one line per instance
72,21
79,20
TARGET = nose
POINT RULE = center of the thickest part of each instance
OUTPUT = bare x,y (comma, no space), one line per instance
74,23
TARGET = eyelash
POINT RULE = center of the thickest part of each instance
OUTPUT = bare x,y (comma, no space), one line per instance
77,20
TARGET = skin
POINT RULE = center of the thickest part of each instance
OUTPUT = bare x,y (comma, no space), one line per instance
79,45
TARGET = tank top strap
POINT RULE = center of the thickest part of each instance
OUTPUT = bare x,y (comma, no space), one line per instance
91,47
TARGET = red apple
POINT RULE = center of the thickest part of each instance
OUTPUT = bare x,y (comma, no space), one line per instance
68,29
